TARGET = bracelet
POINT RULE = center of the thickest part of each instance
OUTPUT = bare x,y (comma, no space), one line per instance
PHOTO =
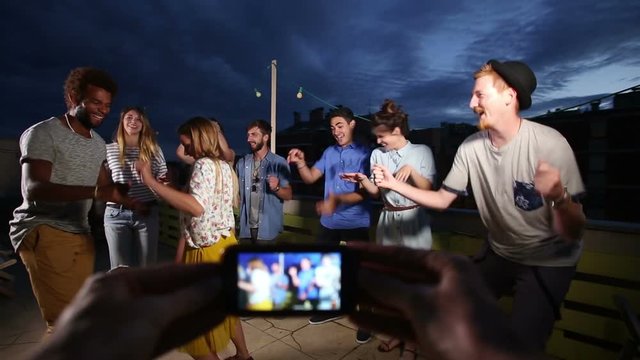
95,192
276,189
563,198
303,165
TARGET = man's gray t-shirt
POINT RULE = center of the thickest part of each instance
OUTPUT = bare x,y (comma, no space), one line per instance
519,221
75,160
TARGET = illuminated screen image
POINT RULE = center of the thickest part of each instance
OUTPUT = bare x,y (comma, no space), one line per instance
301,281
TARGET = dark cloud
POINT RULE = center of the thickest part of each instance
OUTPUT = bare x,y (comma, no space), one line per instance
195,57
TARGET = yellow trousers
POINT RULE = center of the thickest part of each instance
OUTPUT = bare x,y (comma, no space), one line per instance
58,263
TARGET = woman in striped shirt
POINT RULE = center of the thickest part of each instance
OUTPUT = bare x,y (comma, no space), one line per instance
132,233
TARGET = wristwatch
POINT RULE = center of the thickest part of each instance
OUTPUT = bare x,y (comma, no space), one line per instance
563,198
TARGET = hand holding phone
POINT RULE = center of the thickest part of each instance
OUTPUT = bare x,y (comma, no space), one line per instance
289,279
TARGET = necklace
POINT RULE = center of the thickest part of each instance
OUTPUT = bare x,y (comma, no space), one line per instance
69,125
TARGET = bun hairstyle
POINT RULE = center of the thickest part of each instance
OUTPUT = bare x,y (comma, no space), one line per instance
391,116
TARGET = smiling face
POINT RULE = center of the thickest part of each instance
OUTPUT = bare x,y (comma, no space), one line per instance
342,130
490,100
92,110
390,140
132,122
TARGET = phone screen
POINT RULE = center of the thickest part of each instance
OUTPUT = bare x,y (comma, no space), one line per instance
290,279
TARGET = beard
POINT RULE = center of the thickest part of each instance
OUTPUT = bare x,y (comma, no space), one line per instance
83,117
258,146
482,124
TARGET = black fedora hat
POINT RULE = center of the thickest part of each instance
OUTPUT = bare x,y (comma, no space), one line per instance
519,76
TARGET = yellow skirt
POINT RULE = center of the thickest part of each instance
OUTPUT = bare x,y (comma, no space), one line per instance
216,339
265,305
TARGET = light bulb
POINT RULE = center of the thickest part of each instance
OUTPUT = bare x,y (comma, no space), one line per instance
258,93
299,95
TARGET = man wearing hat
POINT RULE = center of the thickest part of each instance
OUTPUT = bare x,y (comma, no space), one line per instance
526,183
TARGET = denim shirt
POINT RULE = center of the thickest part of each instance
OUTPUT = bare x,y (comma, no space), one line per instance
271,217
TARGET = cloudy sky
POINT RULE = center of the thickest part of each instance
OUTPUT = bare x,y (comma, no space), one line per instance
185,58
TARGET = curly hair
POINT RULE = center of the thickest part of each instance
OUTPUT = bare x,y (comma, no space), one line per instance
79,79
392,116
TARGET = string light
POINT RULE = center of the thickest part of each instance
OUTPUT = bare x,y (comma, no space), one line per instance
258,93
302,91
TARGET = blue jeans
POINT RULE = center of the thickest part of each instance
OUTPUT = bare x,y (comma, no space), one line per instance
132,238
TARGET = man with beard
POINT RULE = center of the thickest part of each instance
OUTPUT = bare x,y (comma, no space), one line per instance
264,186
345,210
526,184
62,172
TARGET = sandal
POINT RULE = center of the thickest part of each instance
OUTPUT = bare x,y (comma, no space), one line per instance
386,346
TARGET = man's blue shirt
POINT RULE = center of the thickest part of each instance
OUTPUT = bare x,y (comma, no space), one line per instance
335,161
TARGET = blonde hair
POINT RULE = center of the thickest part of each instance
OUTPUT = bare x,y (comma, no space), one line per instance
204,141
146,138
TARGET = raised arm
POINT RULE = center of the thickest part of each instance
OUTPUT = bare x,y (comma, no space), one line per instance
307,174
568,217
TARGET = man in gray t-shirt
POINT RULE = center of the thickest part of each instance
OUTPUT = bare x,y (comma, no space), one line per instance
62,172
525,181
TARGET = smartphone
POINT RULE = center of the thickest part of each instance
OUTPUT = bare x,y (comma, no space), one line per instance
264,280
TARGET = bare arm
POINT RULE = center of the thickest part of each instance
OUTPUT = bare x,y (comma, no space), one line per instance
438,200
226,152
36,175
420,181
179,200
364,182
180,250
307,174
568,218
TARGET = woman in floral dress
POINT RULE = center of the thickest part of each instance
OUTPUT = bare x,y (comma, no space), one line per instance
206,222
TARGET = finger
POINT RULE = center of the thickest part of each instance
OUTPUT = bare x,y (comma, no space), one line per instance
165,278
410,264
202,308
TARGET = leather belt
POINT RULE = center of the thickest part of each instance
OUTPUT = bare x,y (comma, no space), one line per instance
122,207
389,207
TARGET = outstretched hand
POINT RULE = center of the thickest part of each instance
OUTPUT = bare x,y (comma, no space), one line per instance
435,299
164,307
354,177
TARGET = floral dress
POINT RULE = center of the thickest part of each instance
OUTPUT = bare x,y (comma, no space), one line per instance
207,236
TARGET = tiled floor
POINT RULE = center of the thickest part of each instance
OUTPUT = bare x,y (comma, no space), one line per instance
21,328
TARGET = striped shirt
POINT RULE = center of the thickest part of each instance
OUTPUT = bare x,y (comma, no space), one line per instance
126,173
